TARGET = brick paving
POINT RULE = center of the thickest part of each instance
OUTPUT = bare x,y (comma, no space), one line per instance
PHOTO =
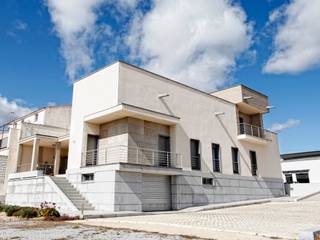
276,219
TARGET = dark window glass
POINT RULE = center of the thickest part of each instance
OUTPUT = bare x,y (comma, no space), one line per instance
302,177
254,166
235,160
289,178
195,154
207,181
216,157
87,177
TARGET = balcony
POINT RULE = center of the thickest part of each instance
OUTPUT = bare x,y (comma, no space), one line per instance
131,155
254,134
30,130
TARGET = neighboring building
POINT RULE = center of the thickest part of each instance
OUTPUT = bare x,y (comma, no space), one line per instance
301,172
36,141
142,142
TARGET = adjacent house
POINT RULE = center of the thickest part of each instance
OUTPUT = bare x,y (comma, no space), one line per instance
301,173
142,142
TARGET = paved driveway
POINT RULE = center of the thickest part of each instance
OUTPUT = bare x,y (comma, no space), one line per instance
263,221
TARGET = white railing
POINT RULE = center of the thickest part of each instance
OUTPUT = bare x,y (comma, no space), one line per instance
30,129
255,131
133,155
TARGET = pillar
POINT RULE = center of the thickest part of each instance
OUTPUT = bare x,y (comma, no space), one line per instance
35,154
57,156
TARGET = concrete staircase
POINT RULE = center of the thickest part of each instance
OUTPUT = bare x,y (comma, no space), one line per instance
72,193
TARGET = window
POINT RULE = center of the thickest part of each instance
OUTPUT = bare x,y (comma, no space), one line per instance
254,166
36,116
195,154
207,181
235,160
92,150
303,177
289,178
216,157
87,177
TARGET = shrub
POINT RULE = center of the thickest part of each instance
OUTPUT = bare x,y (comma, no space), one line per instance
27,212
10,209
48,209
2,207
62,218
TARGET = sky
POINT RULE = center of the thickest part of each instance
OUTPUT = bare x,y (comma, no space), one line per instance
272,46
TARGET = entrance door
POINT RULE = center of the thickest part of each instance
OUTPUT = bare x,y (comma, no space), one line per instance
164,151
241,125
92,150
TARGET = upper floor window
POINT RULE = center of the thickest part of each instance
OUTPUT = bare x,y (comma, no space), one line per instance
36,117
289,178
195,154
254,165
235,160
303,177
216,157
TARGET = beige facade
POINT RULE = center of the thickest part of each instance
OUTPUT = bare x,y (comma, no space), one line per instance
139,141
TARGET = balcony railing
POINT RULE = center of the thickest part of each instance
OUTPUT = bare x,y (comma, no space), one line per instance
30,129
47,169
133,155
254,131
196,162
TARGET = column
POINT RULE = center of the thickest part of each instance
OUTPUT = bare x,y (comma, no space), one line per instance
57,156
35,154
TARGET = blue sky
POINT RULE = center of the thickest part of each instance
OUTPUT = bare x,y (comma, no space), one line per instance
272,46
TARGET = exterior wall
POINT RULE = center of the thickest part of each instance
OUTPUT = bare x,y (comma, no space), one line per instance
58,116
188,190
198,122
97,92
311,164
33,190
3,166
302,189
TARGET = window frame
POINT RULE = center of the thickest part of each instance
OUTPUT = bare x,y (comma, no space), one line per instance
237,160
254,171
214,159
198,154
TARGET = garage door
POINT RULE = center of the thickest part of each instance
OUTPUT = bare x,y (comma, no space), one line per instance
156,193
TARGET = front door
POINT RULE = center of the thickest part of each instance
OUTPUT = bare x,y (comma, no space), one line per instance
92,150
164,151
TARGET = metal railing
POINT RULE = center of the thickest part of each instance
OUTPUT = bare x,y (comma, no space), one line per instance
30,129
196,162
133,155
47,169
255,131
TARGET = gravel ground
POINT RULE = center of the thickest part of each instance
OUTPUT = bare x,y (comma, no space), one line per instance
13,228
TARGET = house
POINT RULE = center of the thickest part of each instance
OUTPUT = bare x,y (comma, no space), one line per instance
35,142
142,142
301,173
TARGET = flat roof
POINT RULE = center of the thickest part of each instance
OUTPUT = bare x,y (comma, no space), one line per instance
289,156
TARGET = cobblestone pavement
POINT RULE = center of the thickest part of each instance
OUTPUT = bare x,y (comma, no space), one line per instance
269,220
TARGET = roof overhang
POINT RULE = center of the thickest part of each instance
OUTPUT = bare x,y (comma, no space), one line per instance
125,110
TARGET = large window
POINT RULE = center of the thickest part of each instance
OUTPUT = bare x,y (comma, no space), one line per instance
235,160
254,165
303,177
195,154
216,157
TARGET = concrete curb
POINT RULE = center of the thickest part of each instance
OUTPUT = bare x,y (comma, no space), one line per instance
97,214
307,196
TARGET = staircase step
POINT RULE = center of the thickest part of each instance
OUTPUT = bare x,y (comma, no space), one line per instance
72,193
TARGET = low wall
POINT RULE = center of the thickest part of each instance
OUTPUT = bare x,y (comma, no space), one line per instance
302,189
33,190
188,190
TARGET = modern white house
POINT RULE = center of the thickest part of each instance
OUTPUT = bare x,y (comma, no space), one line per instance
142,142
301,173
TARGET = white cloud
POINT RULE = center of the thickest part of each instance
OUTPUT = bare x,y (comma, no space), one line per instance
75,23
11,109
194,42
297,40
278,127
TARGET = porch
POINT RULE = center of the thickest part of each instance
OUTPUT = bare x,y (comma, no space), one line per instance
43,153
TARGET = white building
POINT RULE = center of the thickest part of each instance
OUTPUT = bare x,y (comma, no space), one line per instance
301,172
142,142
